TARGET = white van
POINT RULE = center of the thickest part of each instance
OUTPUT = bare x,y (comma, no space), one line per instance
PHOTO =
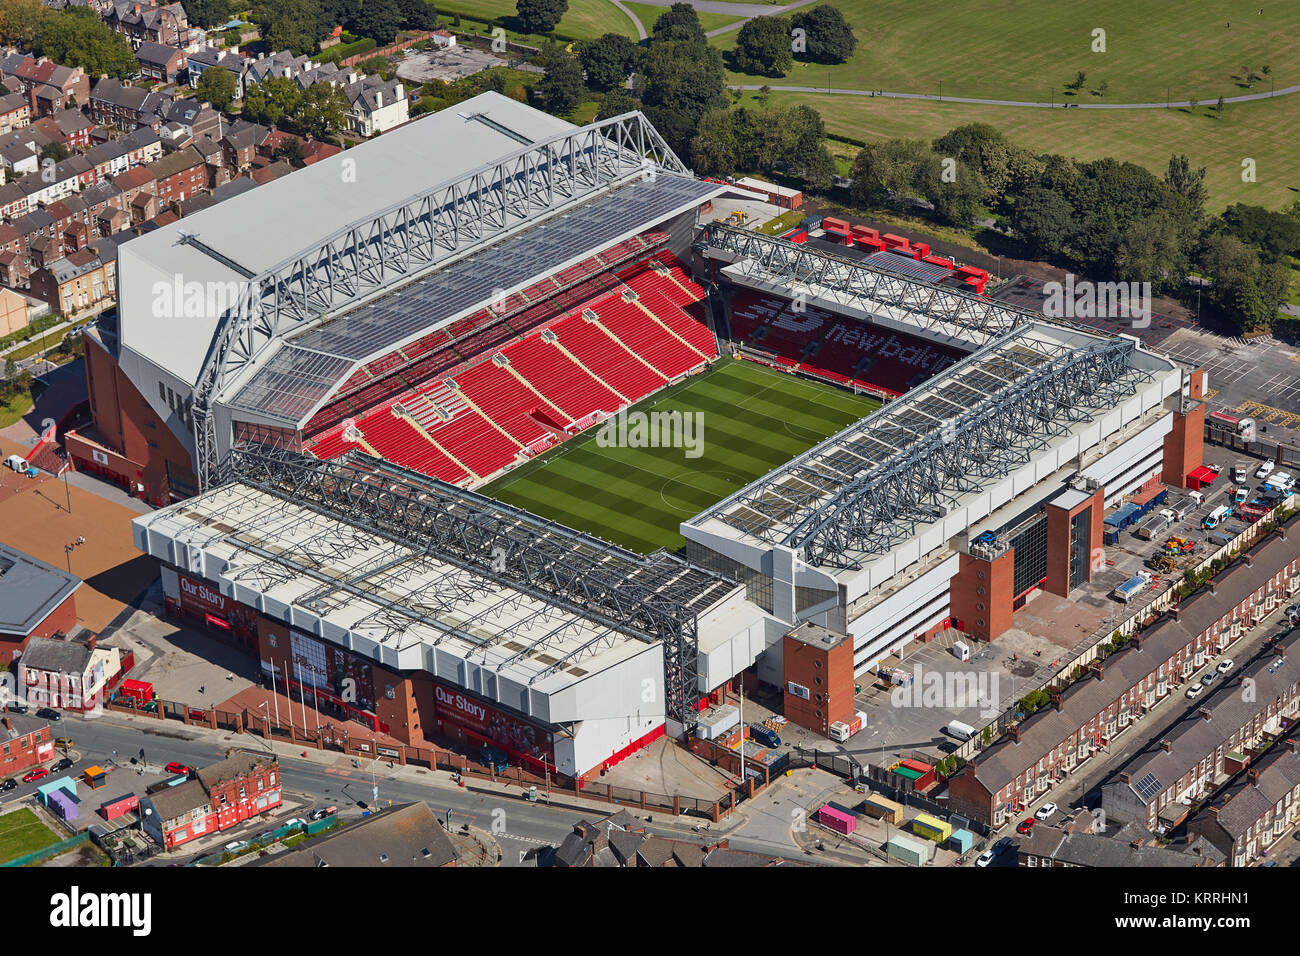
1197,496
1282,479
1216,517
959,730
17,463
1264,470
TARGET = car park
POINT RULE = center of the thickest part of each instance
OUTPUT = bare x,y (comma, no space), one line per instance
1045,811
1025,825
1225,665
1194,691
37,774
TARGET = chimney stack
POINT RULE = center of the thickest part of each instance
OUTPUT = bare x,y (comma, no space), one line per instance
1166,746
1205,713
1253,776
1014,733
1097,669
1055,697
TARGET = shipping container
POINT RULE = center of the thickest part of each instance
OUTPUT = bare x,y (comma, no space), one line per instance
961,840
908,850
920,249
838,226
932,828
880,808
837,820
1122,518
864,232
892,241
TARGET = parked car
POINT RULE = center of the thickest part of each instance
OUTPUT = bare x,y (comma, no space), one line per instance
62,765
1225,665
1194,691
323,812
175,767
16,708
63,743
49,713
985,858
295,822
1209,678
1045,811
36,774
235,846
1025,825
12,784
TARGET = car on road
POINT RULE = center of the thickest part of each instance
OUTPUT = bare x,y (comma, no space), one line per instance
1210,678
175,767
36,774
1225,665
63,764
1194,691
1025,825
1045,811
323,812
63,743
235,846
49,713
295,822
16,708
985,858
12,784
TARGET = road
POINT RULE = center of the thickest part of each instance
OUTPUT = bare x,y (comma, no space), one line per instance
520,828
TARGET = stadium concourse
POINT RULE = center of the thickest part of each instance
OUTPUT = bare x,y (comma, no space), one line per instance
456,311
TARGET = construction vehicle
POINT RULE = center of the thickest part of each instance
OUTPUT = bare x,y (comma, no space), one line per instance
1180,546
1160,561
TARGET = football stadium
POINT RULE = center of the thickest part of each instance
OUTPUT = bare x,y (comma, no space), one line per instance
411,448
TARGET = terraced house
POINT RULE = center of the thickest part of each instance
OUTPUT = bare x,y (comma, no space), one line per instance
1256,810
1092,714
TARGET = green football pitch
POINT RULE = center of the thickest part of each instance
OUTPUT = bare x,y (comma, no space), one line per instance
750,420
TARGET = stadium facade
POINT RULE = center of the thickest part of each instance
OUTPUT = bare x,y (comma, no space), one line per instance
320,373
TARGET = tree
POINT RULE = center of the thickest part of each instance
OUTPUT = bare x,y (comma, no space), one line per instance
1080,78
1044,220
678,81
56,151
380,20
289,24
827,36
76,37
763,47
216,86
418,15
541,16
680,22
1276,235
378,65
886,171
207,13
1218,109
1101,90
608,61
322,109
271,101
1192,104
615,103
291,150
560,89
11,370
1186,182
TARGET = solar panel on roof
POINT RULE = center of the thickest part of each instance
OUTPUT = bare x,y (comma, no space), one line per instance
1148,787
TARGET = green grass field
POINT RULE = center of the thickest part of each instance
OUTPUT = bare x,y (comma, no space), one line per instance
585,19
754,419
648,13
1029,49
1261,131
21,832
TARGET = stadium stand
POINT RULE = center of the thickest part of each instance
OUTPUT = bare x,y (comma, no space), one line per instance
836,348
513,379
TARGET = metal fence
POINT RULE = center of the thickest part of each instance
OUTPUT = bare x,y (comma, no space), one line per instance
54,849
